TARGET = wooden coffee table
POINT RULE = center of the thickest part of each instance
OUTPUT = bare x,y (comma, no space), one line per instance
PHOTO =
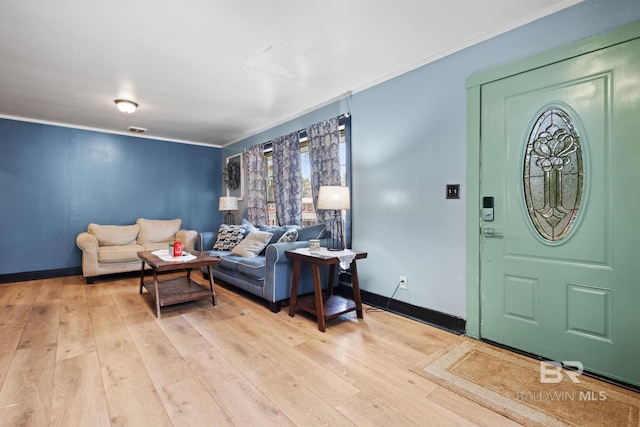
178,289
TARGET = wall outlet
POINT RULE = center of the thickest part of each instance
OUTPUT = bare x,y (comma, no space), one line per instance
403,282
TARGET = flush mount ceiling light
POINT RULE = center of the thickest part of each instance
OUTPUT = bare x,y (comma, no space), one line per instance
126,106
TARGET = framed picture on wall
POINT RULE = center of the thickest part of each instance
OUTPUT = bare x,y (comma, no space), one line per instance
234,176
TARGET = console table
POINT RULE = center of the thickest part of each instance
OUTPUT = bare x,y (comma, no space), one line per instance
323,306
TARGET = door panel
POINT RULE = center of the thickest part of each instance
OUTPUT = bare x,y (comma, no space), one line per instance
573,299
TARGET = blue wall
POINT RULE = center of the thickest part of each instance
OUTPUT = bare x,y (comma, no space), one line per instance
56,180
409,141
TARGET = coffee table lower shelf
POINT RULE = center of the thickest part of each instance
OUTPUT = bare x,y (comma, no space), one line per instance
177,290
334,305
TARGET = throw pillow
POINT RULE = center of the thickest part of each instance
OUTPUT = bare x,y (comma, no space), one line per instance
229,236
252,245
114,235
309,232
289,236
250,227
278,232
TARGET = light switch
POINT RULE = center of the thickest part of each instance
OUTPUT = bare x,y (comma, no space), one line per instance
453,191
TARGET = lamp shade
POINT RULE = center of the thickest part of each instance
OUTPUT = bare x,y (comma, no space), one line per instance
228,204
334,197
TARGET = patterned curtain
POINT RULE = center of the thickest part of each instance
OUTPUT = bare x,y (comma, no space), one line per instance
256,186
287,179
324,155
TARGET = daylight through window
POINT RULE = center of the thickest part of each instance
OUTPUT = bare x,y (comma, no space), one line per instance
308,209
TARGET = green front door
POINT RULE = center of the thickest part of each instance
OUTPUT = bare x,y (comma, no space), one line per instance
560,261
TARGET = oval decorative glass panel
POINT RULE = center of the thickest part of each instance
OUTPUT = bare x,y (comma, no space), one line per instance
553,174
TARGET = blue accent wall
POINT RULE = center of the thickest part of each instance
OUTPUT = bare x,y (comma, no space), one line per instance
56,180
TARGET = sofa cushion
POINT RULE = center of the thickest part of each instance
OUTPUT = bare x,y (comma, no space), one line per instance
252,245
157,230
124,253
308,232
229,236
114,235
219,254
250,267
228,263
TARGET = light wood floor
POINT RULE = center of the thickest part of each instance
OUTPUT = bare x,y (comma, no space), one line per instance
73,354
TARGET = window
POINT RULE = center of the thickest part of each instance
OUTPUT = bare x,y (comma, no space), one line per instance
553,174
308,209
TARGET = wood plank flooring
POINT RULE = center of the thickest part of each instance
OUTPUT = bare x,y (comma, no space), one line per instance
73,354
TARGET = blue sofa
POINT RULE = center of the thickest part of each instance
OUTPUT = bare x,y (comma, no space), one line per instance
267,275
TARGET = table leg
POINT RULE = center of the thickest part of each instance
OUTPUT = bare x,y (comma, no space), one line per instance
332,278
213,291
141,276
294,287
356,289
317,291
155,284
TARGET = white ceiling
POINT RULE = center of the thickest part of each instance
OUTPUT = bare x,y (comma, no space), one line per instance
217,71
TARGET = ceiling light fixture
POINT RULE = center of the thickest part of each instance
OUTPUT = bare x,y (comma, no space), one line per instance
126,106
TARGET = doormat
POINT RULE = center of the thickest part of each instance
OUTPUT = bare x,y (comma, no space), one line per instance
510,384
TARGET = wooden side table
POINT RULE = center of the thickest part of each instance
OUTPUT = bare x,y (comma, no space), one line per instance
179,289
323,306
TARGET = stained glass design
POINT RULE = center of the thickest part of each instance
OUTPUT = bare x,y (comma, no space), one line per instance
553,174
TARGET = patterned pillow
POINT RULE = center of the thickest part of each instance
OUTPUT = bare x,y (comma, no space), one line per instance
291,235
278,232
229,236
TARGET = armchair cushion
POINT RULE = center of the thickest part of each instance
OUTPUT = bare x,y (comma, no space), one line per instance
156,231
114,235
124,253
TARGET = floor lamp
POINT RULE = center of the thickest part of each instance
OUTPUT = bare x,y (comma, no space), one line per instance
335,198
228,204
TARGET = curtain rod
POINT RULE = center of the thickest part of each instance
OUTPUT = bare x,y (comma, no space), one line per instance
302,133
